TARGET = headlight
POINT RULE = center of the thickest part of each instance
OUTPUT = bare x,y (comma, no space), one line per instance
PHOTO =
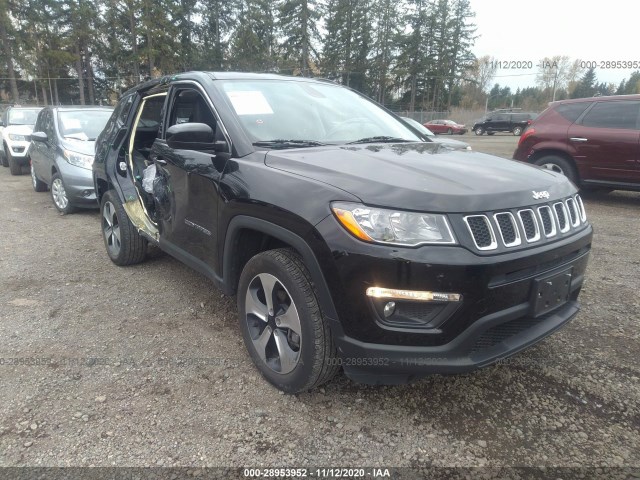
17,138
79,159
393,227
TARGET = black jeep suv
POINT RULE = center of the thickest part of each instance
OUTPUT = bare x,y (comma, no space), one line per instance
348,241
504,121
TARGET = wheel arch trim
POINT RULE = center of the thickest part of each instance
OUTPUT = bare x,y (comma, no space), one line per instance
240,222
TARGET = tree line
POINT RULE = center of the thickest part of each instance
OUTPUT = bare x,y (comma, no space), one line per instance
413,52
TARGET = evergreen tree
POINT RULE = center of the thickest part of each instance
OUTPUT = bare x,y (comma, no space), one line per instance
586,87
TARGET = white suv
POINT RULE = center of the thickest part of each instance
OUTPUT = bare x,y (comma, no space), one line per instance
16,127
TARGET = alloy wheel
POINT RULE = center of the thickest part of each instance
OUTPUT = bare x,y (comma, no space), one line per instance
58,192
274,323
111,228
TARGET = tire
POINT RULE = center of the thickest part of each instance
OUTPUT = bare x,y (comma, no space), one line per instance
310,352
123,242
3,156
491,133
14,167
479,131
59,195
517,131
38,185
449,131
559,165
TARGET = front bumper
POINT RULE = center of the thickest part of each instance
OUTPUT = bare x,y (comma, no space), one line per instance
78,183
18,151
495,319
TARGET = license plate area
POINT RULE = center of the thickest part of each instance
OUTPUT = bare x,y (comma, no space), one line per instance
551,291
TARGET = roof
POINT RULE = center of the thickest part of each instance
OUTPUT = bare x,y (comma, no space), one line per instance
204,75
591,99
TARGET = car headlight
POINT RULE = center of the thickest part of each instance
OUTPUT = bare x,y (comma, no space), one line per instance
17,138
393,226
79,159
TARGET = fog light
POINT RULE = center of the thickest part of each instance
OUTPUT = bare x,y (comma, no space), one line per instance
389,308
420,296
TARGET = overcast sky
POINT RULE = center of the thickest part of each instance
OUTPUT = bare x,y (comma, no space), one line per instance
531,30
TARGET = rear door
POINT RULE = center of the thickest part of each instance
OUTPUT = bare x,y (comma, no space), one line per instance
606,141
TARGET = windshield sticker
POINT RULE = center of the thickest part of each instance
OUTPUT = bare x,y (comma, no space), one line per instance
249,103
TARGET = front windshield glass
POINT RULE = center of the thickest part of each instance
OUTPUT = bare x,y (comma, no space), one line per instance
82,124
294,110
23,116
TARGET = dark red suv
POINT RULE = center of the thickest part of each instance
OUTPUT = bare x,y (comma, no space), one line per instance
593,141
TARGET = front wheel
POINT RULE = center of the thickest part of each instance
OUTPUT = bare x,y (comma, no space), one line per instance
479,131
59,195
124,244
14,167
559,165
38,185
281,322
450,131
517,131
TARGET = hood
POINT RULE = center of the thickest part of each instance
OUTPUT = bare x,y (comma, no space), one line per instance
423,176
80,146
450,142
19,129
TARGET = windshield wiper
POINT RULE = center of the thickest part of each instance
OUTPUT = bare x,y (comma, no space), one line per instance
380,139
77,136
281,143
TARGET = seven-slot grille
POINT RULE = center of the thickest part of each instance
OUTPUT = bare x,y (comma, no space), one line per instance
527,224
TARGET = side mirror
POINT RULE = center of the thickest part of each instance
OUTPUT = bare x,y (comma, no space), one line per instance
191,136
39,137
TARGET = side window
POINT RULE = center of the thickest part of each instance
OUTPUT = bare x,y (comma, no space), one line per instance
39,126
122,110
615,114
48,126
189,106
571,111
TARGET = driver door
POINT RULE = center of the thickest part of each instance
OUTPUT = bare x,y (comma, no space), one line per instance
189,178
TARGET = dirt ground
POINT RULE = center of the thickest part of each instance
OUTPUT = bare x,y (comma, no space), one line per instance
145,366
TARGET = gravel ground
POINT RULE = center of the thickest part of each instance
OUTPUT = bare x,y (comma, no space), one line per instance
145,366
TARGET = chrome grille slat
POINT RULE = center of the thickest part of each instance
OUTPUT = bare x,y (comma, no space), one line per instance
547,221
508,229
529,225
583,212
562,216
574,216
481,231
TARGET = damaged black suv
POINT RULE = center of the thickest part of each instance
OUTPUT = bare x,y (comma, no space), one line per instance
349,242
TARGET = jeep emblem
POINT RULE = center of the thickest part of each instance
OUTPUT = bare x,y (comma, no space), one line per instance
539,195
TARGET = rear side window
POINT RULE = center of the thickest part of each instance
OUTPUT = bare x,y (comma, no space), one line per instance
571,111
619,114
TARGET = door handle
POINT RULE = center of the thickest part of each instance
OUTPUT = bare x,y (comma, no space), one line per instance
578,139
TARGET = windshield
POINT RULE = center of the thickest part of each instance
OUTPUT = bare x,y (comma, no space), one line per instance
23,117
82,124
326,114
418,126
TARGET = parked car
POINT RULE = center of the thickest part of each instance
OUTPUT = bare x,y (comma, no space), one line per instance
62,150
446,126
504,121
16,126
348,241
432,137
593,141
